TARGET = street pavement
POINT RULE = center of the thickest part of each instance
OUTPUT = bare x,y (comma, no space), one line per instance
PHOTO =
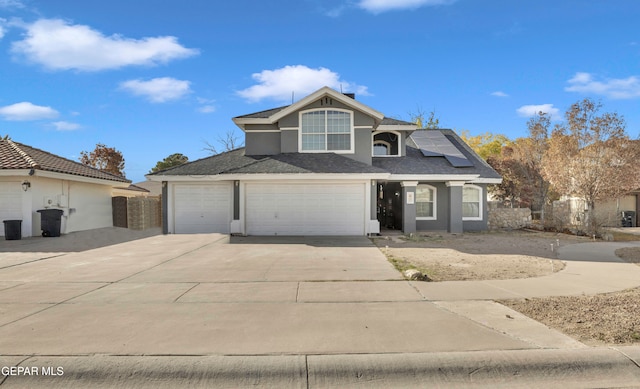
217,311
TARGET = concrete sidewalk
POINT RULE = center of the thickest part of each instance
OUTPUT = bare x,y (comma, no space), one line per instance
204,310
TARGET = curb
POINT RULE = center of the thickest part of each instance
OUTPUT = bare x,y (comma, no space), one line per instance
596,367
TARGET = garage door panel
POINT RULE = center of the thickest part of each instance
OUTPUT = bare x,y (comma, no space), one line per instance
305,209
202,208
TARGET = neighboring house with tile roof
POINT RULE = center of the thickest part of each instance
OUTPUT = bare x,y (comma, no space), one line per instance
32,179
329,165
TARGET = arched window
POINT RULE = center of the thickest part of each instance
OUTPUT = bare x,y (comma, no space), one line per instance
385,144
471,202
381,147
426,205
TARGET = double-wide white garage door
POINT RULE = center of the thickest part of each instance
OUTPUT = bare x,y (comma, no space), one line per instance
305,209
273,209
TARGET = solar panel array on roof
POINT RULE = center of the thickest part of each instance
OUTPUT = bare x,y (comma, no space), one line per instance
433,143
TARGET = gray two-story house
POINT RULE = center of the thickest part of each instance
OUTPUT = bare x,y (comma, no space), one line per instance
329,165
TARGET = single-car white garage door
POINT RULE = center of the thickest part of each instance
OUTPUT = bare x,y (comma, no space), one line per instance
202,208
10,203
305,209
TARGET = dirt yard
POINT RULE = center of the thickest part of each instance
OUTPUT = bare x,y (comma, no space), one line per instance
606,319
478,256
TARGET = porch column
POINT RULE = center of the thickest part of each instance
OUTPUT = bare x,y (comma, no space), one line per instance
455,207
409,206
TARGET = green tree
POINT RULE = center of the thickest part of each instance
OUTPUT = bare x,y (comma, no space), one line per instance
170,161
103,158
487,144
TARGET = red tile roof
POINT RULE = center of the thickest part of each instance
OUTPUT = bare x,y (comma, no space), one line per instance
14,155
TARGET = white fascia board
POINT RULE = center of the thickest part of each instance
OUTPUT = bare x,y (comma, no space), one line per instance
241,122
486,181
72,177
390,127
282,177
346,100
433,177
14,172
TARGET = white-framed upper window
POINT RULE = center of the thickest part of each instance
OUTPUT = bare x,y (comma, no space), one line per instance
426,204
471,202
326,130
381,148
385,144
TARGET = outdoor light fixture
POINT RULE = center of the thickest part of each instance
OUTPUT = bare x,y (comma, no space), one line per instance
26,185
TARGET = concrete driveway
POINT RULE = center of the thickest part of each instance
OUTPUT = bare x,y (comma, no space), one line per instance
212,309
212,294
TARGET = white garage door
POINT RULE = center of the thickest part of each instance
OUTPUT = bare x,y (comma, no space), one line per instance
311,209
202,208
10,203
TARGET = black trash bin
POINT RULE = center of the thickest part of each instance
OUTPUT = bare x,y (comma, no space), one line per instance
12,229
50,221
628,219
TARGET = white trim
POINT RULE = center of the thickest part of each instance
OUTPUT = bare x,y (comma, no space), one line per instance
480,203
326,134
363,127
486,181
434,202
263,177
396,127
409,184
454,183
433,177
383,143
252,131
289,128
62,176
348,101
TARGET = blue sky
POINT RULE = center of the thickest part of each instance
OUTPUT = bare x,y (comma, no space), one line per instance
157,77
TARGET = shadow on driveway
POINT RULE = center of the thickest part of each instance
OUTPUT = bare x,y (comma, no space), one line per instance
76,241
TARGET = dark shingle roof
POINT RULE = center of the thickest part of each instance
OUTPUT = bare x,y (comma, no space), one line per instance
395,122
236,162
14,155
263,114
415,163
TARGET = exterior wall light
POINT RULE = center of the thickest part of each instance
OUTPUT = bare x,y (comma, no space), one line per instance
26,185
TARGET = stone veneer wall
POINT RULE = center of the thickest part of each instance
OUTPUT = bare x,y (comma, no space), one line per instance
509,218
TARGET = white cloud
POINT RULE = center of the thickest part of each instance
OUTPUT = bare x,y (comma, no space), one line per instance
59,45
615,88
11,4
499,94
27,111
379,6
300,80
206,105
66,126
158,90
528,111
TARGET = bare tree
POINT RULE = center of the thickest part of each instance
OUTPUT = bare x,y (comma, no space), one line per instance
227,142
425,120
591,156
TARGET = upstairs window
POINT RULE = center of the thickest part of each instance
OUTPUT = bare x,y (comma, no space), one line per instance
326,130
386,144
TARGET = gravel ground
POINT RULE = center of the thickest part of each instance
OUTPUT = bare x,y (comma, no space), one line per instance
605,319
478,256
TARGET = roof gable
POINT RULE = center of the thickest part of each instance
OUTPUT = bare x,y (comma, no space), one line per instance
271,116
17,156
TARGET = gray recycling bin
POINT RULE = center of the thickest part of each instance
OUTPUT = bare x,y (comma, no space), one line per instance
50,221
12,229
